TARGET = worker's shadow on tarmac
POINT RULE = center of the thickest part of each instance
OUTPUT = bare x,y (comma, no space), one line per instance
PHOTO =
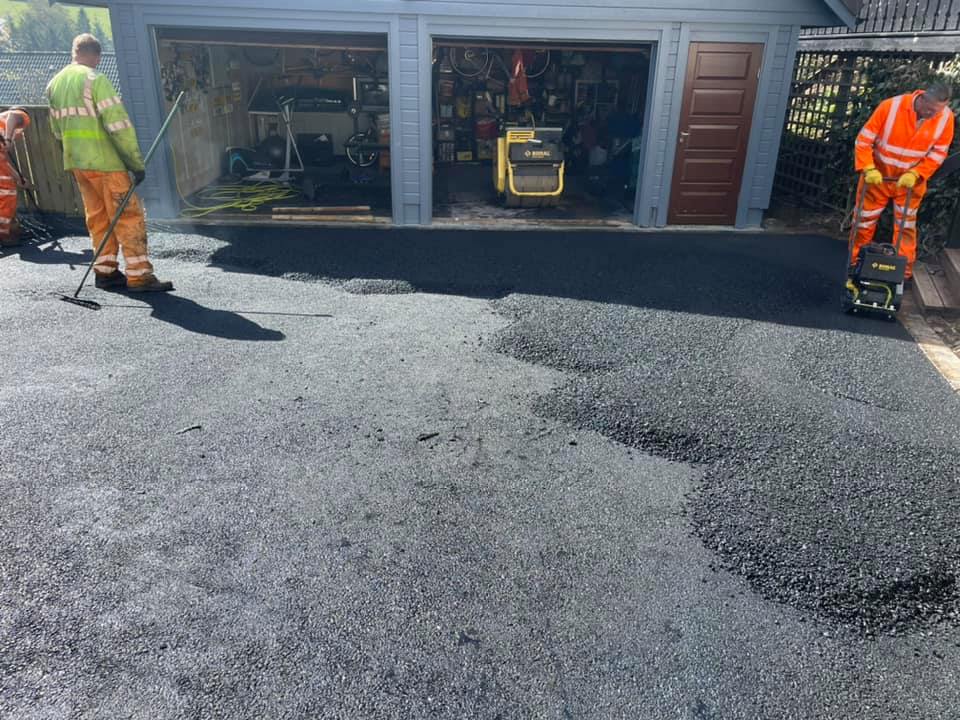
193,317
47,252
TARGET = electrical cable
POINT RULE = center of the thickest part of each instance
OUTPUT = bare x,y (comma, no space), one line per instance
245,197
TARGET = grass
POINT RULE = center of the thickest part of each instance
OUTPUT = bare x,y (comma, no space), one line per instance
15,8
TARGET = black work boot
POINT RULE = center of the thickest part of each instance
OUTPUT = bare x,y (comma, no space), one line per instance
151,285
114,281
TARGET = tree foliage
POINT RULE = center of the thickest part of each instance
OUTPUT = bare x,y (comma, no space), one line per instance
45,27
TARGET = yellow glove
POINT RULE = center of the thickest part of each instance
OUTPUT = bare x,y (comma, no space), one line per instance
908,179
872,176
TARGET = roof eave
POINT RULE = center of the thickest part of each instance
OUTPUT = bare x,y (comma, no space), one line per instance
840,9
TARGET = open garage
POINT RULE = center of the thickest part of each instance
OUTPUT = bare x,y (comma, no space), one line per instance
538,131
286,127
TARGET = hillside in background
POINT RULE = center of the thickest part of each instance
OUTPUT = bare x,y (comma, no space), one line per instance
37,25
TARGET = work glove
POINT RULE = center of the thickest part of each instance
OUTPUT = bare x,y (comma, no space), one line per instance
872,176
138,176
908,179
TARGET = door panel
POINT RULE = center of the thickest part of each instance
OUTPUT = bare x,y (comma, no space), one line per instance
717,102
713,137
715,118
722,65
706,170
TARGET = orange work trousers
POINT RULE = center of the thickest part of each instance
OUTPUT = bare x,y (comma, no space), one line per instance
874,203
102,194
8,200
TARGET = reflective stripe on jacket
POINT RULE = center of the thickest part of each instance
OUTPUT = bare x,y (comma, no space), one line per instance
86,114
892,142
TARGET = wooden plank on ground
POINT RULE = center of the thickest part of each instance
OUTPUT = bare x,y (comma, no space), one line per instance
950,262
323,209
329,218
932,290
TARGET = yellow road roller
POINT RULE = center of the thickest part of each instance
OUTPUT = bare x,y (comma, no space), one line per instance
528,171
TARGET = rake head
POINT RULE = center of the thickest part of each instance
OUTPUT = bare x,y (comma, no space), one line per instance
88,304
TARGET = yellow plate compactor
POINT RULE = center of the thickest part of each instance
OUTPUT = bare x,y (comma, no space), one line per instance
529,167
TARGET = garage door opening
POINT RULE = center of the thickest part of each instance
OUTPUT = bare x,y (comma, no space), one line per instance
294,130
542,133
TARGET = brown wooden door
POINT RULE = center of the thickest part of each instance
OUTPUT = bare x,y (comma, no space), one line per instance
718,99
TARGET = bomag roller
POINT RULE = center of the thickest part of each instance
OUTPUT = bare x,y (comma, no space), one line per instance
529,168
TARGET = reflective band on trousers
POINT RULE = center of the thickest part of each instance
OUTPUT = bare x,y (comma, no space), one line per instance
138,272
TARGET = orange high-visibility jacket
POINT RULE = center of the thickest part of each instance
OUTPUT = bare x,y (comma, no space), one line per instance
892,142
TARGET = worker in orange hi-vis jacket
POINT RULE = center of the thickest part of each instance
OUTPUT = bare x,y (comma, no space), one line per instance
902,145
12,124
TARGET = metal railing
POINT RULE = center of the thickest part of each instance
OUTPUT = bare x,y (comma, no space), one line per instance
885,17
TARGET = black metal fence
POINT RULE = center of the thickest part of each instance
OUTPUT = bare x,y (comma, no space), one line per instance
884,17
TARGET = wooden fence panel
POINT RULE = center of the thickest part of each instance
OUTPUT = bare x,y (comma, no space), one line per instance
40,158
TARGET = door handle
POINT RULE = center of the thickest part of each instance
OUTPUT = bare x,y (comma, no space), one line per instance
684,135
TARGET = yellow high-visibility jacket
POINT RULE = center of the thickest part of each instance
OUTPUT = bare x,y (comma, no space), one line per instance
87,116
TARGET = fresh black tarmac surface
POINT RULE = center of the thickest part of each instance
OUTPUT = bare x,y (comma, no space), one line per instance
478,475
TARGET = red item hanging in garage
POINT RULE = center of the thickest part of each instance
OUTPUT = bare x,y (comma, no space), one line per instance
519,92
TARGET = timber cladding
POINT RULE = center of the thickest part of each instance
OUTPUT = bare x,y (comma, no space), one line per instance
40,158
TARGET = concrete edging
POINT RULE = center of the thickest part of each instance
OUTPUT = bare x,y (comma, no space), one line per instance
945,360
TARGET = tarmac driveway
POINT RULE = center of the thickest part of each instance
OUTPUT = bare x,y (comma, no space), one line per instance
395,474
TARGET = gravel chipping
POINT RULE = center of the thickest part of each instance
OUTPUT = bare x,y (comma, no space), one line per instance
831,465
374,286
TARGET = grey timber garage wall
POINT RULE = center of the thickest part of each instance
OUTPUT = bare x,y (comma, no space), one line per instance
411,26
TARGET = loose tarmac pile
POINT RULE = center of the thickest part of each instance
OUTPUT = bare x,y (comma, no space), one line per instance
831,476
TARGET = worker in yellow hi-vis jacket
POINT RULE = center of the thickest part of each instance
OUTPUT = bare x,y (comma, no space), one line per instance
100,148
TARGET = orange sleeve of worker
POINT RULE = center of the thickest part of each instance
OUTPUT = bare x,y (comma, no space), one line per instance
869,134
938,151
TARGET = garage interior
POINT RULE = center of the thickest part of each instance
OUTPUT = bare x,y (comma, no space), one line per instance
297,130
537,132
